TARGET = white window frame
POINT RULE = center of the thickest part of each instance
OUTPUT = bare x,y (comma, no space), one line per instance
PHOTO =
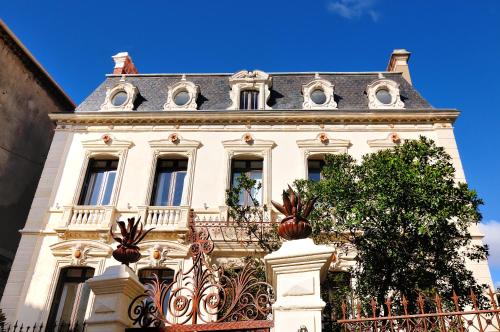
254,80
261,149
319,84
94,254
97,148
389,85
166,148
173,90
128,88
315,147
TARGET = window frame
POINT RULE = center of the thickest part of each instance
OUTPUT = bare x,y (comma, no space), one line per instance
255,95
172,185
248,169
86,188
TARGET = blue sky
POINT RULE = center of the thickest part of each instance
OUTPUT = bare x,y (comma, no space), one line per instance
455,49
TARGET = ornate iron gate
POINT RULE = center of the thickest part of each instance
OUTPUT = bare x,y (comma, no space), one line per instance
204,298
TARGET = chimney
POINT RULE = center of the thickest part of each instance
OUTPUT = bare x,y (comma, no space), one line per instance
123,64
399,63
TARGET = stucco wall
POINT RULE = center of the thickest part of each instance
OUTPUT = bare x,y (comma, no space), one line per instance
25,136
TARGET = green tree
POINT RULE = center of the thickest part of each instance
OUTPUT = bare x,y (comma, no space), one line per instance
406,216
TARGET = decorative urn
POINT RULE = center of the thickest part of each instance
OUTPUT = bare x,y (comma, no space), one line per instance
127,251
295,224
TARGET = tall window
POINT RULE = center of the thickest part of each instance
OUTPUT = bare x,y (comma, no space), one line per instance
253,170
99,182
146,276
71,297
314,167
169,182
249,100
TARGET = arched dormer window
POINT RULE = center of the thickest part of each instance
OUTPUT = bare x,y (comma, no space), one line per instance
121,97
250,90
384,94
318,94
182,96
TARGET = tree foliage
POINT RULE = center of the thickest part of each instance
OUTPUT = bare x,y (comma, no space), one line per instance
406,216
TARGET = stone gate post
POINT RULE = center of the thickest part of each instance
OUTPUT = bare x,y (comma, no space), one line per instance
114,291
296,271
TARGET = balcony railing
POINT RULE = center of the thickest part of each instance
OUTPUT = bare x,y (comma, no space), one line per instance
165,217
84,216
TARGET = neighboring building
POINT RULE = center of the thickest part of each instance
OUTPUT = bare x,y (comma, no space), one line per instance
27,95
159,145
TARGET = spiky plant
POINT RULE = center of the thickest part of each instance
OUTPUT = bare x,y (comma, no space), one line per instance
127,250
293,207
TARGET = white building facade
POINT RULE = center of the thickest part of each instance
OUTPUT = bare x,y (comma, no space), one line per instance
160,145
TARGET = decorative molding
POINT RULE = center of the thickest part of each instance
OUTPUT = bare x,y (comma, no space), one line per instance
250,80
259,148
180,86
97,148
392,87
131,92
162,254
321,146
413,116
79,252
178,146
319,84
392,140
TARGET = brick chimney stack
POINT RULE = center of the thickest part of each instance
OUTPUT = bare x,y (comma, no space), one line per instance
399,63
123,64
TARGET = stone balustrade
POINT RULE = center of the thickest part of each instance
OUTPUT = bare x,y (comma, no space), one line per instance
83,216
165,217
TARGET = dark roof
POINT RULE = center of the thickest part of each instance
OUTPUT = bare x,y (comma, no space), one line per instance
286,90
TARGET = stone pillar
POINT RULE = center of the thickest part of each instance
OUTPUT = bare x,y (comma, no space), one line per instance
296,271
114,291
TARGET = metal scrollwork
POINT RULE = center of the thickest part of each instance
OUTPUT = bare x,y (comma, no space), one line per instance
203,293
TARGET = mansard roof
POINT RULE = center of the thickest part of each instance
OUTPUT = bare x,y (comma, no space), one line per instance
286,90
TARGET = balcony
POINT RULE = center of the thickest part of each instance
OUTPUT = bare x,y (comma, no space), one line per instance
165,218
86,218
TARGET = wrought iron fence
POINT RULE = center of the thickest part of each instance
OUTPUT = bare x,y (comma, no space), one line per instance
40,327
431,316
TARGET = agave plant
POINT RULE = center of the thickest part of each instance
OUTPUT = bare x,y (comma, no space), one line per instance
127,250
295,224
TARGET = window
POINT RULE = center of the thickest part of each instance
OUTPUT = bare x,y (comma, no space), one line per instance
169,182
182,98
384,96
249,100
146,276
253,170
314,167
99,181
318,97
71,297
119,98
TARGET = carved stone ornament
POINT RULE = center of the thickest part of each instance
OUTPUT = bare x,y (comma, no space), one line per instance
395,138
174,138
250,80
384,84
79,254
128,105
323,138
248,138
106,138
157,255
182,86
318,84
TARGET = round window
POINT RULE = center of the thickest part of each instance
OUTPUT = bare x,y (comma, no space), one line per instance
384,96
318,96
119,98
182,98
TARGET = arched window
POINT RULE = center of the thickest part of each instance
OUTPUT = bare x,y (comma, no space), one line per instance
249,100
71,298
99,181
169,181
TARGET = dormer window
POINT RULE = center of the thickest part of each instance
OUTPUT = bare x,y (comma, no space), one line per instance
384,94
182,96
250,90
318,94
120,98
249,100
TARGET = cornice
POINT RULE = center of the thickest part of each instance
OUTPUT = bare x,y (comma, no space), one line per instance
257,117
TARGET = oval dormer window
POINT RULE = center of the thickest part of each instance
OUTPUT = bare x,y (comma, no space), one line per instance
384,96
182,98
318,96
119,98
